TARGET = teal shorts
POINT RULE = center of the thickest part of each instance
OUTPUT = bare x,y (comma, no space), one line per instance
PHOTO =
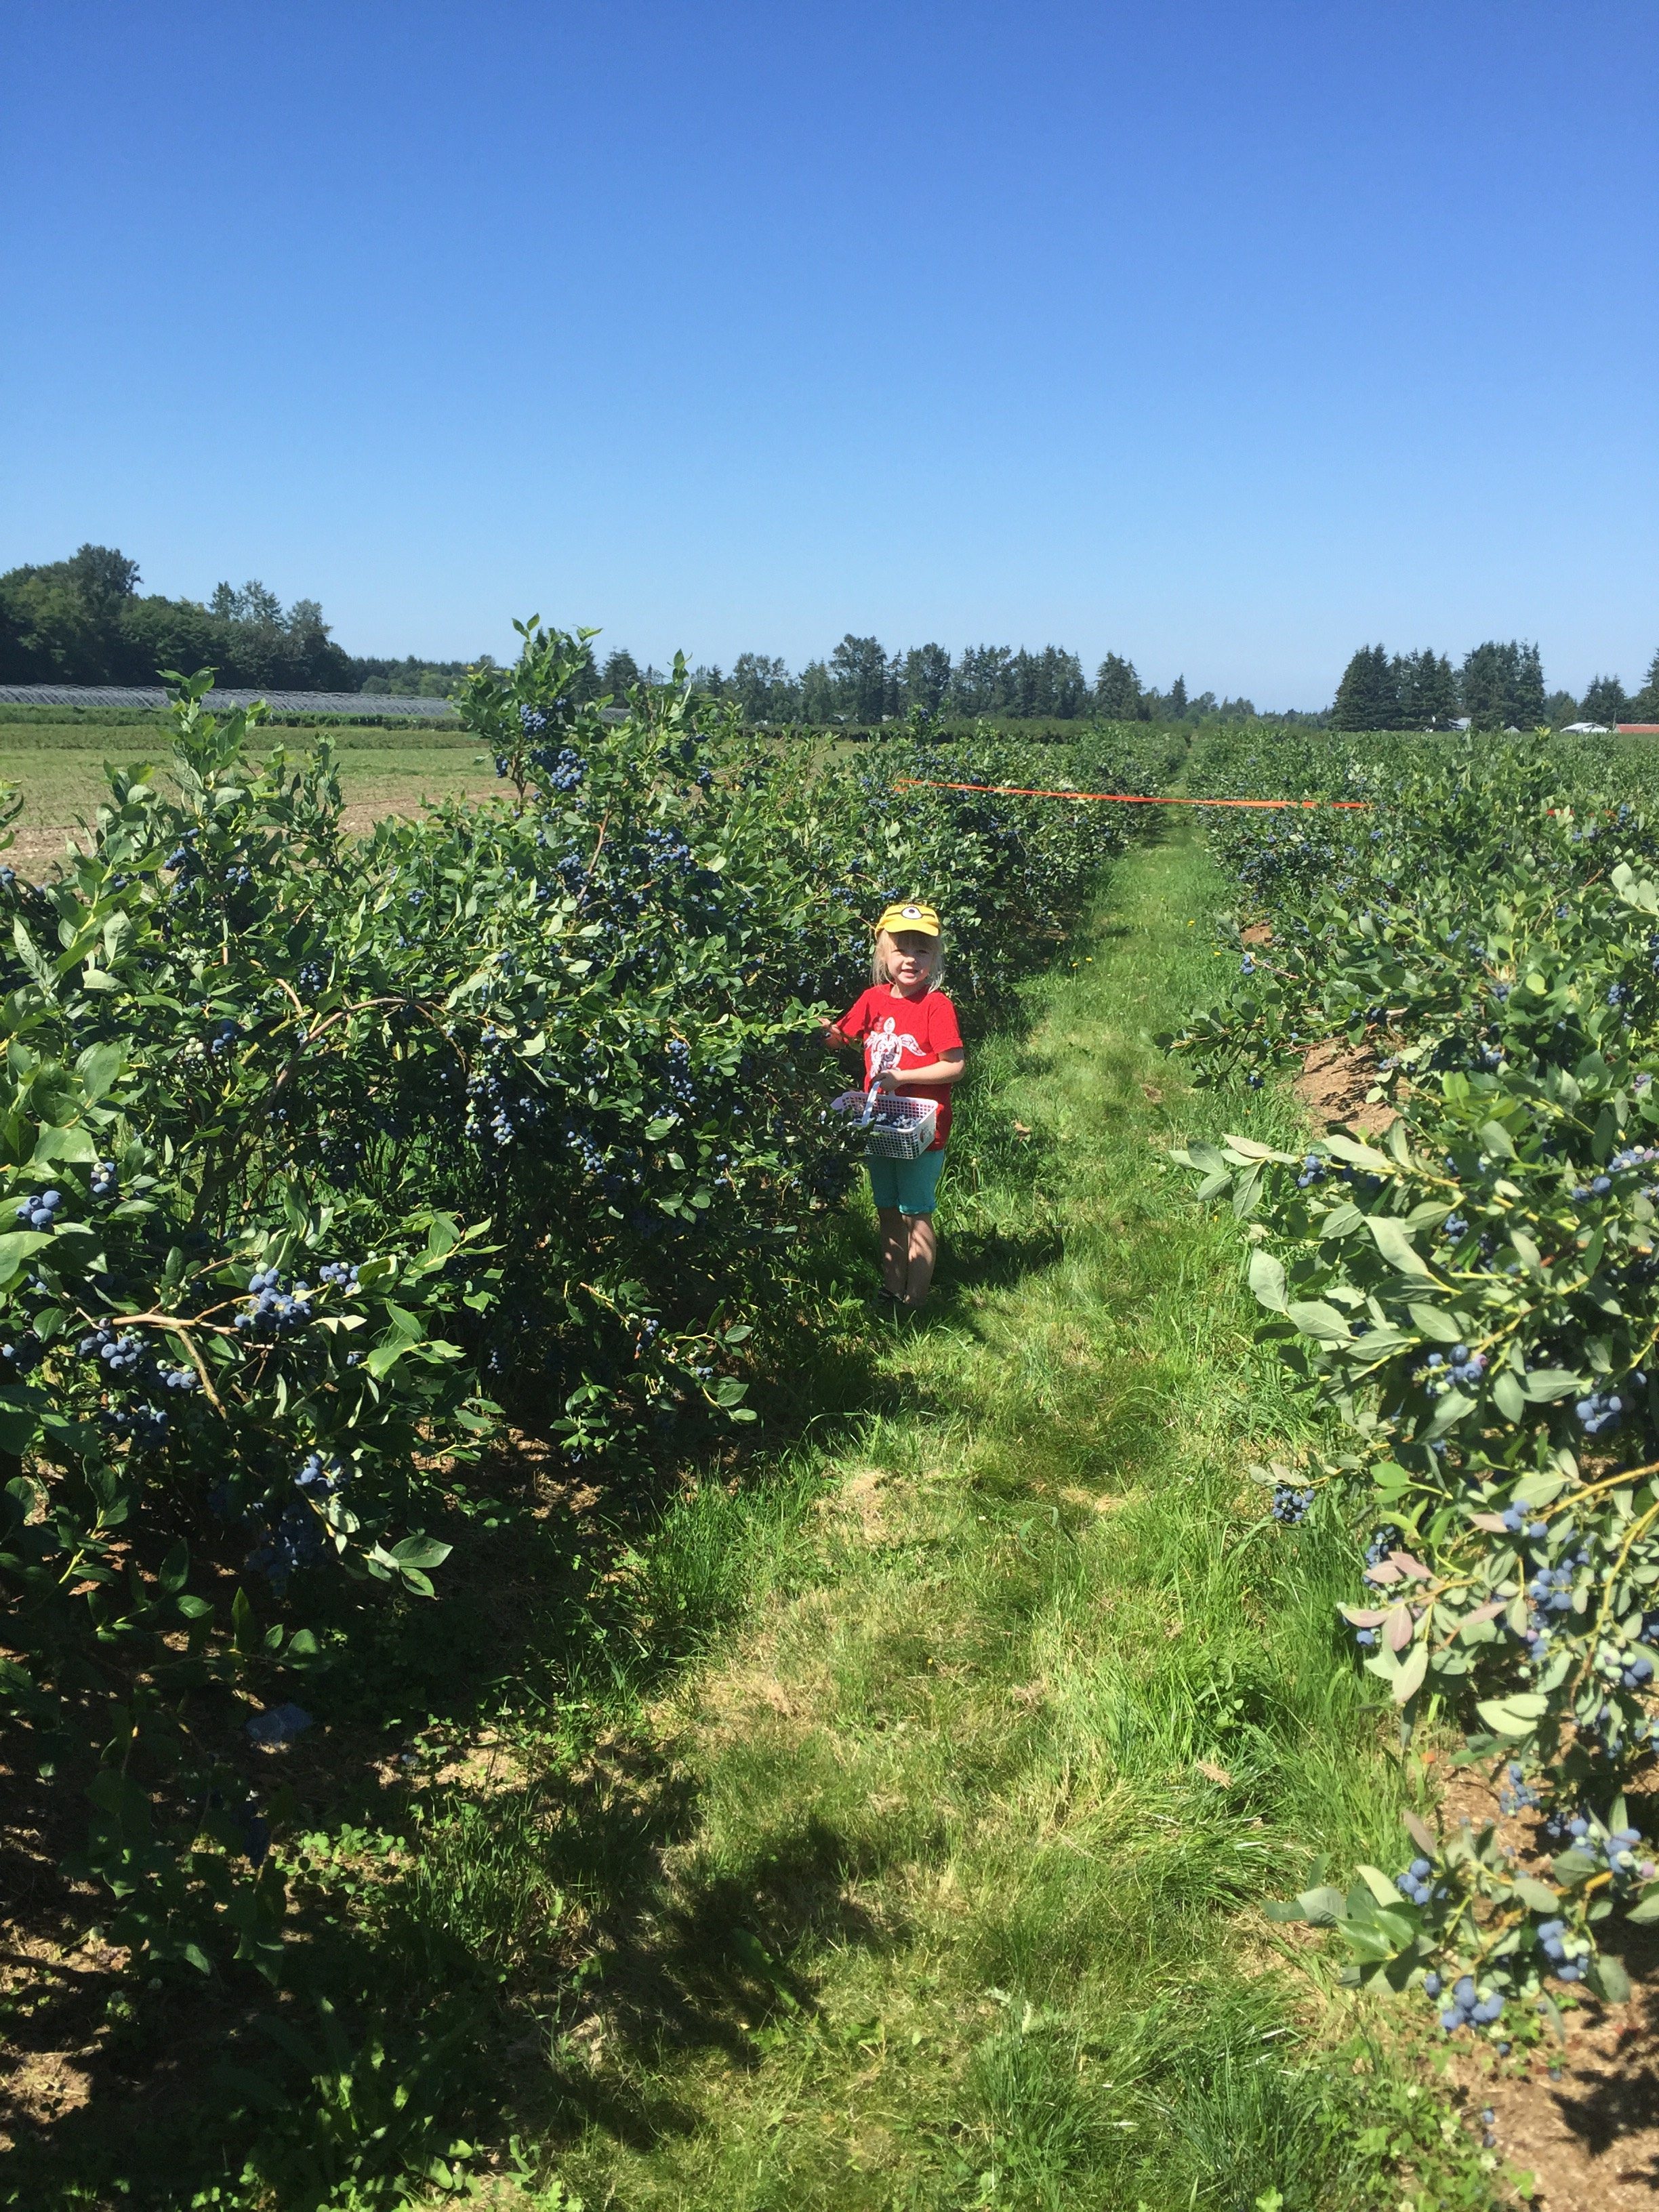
910,1185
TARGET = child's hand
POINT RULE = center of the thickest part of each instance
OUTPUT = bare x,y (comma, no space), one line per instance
831,1037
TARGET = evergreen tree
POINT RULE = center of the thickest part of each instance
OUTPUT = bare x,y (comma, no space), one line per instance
1368,697
761,687
866,687
925,680
981,684
1503,686
1644,707
1117,692
1426,689
818,693
1607,701
1178,699
620,673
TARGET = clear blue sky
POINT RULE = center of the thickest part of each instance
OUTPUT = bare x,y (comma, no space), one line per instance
1226,335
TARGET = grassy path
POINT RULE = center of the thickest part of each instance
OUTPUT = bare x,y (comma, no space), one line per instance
1028,1706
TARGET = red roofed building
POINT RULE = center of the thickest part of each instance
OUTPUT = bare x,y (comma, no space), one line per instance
1638,729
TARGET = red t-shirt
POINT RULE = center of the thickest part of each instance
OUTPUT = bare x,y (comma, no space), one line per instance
899,1032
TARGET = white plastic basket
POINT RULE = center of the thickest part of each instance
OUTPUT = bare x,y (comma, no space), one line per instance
897,1127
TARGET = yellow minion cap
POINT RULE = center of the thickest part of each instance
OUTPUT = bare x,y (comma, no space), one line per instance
912,914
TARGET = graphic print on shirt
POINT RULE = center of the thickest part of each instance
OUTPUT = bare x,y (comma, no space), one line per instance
887,1046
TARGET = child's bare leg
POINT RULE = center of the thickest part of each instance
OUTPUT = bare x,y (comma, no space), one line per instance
923,1251
894,1249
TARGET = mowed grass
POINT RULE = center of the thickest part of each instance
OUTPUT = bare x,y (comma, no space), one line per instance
60,771
1014,1707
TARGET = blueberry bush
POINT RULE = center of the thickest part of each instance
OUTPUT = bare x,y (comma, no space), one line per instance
328,1161
1472,1295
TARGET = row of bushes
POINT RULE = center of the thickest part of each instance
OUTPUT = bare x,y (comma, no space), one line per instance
325,1164
1473,1295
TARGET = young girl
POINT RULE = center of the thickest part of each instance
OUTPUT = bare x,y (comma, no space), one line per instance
911,1043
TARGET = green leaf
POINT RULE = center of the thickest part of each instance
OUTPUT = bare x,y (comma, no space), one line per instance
1317,1319
245,1629
1267,1279
1648,1909
1545,1384
1438,1327
17,1246
420,1552
1495,1140
20,1424
1413,1669
1389,1237
1608,1978
1379,1885
1514,1715
1536,1896
98,1067
1323,1906
1248,1149
1358,1155
1508,1395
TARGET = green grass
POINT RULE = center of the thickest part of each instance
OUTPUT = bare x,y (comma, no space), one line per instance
60,770
950,1912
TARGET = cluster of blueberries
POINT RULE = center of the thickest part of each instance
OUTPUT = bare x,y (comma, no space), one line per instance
1551,1591
1313,1170
271,1311
1601,1411
491,1109
1618,1848
145,1425
1465,2005
1418,1882
294,1540
121,1355
106,1183
225,1034
1517,1794
1553,1942
25,1355
41,1212
325,1477
1461,1371
1290,1506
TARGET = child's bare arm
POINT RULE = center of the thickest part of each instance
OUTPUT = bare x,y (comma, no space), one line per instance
949,1068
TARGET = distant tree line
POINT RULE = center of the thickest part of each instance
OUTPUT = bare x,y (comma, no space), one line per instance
1498,686
861,684
85,621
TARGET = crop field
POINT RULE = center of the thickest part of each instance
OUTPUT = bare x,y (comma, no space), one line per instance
524,1685
59,770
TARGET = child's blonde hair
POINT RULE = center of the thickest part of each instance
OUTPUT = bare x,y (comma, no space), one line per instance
878,973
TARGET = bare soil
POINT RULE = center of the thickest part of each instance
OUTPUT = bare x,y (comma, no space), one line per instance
1335,1084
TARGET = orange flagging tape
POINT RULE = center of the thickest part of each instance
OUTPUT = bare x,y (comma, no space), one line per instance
1117,798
